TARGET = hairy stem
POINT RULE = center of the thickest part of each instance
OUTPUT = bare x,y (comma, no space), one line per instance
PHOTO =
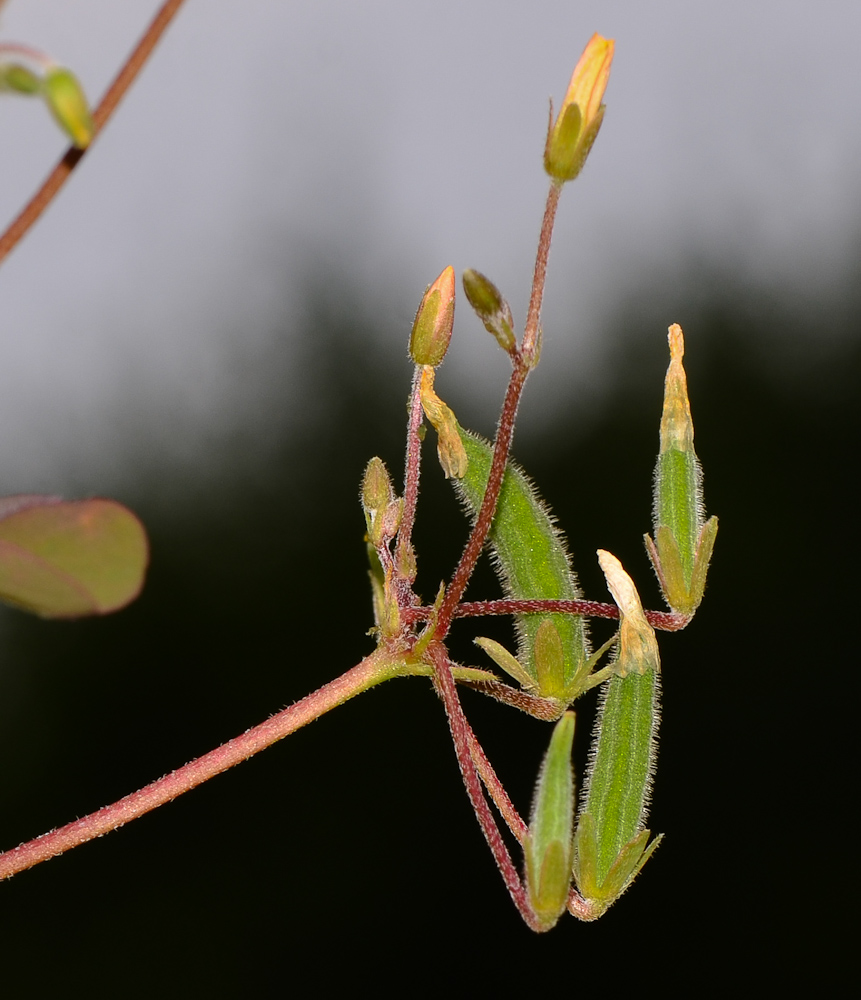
666,621
533,315
58,176
496,790
464,738
481,528
522,361
371,671
411,486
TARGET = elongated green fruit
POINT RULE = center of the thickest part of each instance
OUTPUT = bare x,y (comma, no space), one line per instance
549,845
611,838
683,540
531,560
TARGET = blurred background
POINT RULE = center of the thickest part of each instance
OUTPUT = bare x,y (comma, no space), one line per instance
210,325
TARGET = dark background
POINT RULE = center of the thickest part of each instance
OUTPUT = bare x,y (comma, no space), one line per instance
347,856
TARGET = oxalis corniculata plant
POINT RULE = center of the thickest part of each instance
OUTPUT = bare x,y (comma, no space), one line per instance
576,858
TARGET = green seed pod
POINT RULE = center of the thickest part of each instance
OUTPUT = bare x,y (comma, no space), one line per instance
683,540
548,846
532,562
610,844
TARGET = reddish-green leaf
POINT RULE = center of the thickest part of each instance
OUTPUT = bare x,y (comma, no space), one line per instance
65,559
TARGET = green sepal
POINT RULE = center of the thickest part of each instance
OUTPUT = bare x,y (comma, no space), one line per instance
507,662
549,847
531,560
378,585
683,593
569,144
602,893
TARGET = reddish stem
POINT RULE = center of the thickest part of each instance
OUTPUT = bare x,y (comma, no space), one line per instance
496,789
523,361
666,621
58,176
478,535
412,472
533,315
372,670
463,738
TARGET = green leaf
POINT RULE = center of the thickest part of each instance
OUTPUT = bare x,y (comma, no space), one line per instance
66,559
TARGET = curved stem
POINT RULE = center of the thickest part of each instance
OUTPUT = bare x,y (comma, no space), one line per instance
373,670
58,176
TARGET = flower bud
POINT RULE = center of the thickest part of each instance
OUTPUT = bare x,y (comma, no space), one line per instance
379,503
19,78
65,98
434,320
570,137
490,307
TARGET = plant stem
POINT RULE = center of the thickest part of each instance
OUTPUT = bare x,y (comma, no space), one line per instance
481,528
373,670
57,178
533,315
464,739
522,363
666,621
496,789
411,486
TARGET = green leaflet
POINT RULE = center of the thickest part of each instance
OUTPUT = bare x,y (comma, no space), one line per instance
531,560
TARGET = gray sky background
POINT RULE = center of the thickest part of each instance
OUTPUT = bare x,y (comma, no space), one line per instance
396,138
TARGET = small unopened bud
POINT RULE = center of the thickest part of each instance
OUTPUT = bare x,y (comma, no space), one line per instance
549,846
638,647
571,136
65,98
452,454
490,307
379,503
434,320
19,78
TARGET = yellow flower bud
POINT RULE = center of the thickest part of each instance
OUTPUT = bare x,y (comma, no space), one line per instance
434,320
570,137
